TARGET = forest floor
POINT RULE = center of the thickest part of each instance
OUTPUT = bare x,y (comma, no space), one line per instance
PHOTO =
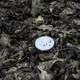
22,22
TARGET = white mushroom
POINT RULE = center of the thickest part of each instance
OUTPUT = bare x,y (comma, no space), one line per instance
44,43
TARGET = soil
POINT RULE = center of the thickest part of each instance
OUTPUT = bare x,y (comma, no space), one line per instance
22,22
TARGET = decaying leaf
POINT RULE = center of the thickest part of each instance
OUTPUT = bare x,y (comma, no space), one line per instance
5,40
44,75
45,27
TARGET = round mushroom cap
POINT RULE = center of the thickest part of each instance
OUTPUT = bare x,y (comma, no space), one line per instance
44,43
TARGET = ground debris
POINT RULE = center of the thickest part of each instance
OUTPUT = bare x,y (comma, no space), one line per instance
22,22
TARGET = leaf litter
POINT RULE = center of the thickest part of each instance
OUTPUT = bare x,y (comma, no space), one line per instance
22,22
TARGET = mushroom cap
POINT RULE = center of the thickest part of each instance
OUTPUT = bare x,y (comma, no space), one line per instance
44,43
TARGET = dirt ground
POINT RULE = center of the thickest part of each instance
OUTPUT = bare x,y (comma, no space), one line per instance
22,22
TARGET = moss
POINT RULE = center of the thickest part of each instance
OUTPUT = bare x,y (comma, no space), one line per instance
39,20
36,7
